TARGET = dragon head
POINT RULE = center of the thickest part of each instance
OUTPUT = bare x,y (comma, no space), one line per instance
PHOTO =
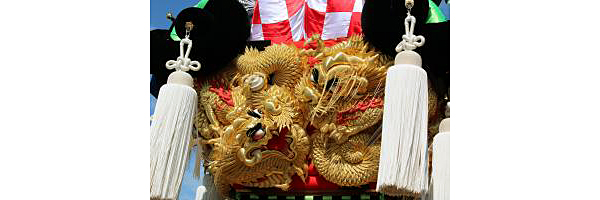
260,139
344,73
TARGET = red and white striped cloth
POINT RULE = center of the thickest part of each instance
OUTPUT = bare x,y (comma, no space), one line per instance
286,21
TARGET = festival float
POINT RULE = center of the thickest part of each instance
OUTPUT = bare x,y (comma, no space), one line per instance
303,99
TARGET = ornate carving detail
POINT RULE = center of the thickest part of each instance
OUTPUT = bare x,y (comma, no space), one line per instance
257,146
253,126
351,163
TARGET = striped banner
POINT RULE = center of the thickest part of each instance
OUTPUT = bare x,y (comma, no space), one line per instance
297,20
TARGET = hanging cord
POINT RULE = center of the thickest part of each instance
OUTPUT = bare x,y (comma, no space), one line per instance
170,16
409,4
170,13
409,40
183,63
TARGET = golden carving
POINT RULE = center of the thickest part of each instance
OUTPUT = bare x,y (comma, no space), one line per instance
239,140
351,163
253,126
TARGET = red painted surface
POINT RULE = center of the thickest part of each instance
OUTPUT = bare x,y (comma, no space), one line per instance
278,143
344,116
224,95
312,170
312,61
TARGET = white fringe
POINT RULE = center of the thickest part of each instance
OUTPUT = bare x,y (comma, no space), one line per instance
440,175
200,192
210,191
170,134
403,158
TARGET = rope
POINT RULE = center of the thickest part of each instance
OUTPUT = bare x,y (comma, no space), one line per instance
409,40
183,63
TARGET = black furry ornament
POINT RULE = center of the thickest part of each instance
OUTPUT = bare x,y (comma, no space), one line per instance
383,25
220,34
162,49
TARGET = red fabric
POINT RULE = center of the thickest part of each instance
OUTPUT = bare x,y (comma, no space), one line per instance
293,6
373,185
312,170
278,32
314,181
355,25
237,186
313,45
273,19
256,15
313,21
347,6
319,183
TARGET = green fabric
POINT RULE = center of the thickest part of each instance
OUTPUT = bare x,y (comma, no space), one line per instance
346,198
174,35
327,197
290,197
201,4
365,197
435,14
308,197
253,196
272,197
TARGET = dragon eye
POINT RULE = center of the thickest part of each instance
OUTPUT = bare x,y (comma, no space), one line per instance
256,132
254,113
258,135
331,83
315,75
271,80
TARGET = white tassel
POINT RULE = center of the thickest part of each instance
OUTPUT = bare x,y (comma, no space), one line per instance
440,175
210,191
172,127
169,138
402,165
439,186
200,192
403,158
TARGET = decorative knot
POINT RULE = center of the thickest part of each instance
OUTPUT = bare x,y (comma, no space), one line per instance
409,40
183,63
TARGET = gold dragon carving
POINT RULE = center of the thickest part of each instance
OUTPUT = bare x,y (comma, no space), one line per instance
237,134
275,95
344,96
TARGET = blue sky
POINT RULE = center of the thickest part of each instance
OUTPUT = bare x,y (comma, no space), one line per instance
159,9
158,20
189,184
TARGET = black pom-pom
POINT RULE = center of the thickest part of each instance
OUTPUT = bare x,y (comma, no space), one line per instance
202,20
162,49
220,34
217,44
382,23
